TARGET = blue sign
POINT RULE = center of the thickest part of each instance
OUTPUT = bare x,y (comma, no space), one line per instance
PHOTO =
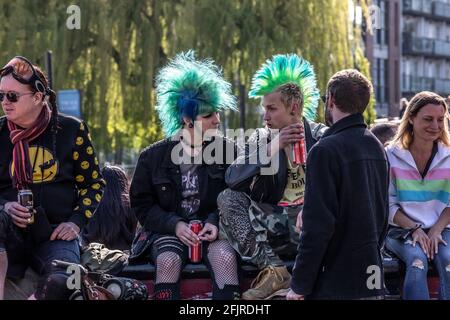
69,102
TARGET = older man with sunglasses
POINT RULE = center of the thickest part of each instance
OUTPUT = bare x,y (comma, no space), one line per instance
50,183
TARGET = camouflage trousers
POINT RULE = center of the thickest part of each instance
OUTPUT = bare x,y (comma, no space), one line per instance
261,233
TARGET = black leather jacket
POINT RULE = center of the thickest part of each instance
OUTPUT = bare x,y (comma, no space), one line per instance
156,190
246,177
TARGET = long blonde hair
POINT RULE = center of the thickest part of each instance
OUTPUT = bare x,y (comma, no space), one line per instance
404,136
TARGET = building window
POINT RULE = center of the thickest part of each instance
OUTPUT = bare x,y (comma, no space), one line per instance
380,80
382,34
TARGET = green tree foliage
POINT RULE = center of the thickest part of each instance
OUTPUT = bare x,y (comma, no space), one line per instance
114,58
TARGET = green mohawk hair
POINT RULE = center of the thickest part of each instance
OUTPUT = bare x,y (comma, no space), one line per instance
283,69
189,87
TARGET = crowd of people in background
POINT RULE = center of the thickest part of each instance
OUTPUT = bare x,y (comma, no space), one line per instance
341,193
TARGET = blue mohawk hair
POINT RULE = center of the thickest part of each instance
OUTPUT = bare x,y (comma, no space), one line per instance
189,87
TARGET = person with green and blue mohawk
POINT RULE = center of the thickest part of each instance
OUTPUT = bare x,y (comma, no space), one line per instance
260,210
175,184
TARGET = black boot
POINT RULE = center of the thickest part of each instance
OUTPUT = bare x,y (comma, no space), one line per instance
167,291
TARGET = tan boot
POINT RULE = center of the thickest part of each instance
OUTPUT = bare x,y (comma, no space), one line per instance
270,282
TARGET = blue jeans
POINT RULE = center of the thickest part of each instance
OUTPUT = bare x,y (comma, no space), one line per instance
22,252
53,283
415,284
54,250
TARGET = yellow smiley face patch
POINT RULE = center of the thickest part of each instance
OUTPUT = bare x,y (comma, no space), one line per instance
88,214
85,165
79,141
45,166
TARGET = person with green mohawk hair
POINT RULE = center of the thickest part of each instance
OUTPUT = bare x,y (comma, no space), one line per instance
260,209
174,184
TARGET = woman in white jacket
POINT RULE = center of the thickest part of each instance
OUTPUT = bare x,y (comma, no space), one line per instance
419,207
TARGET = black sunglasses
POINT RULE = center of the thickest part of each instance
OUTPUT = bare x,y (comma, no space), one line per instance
34,81
324,98
13,96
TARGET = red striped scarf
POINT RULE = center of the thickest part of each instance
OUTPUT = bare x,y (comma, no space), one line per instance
23,175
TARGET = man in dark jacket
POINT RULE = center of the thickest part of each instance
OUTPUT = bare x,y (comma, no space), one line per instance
265,195
346,202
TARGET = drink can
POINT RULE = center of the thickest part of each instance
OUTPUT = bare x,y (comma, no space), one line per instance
299,152
195,252
25,199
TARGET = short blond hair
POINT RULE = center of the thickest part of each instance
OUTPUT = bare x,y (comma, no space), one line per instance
291,93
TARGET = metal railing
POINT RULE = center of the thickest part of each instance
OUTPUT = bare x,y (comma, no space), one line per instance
442,86
441,10
432,9
417,6
425,46
414,84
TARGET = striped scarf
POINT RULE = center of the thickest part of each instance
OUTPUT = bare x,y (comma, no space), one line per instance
23,175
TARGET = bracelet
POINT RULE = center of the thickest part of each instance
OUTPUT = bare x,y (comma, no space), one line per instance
412,230
418,226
